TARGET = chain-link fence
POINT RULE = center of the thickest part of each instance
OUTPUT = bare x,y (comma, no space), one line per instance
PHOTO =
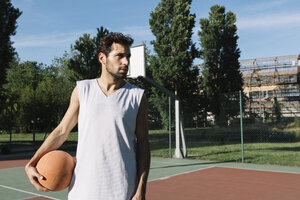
268,132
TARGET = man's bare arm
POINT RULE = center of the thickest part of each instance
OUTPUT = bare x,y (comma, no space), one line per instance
143,150
57,137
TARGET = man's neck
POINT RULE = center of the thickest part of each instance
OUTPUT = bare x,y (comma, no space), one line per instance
110,85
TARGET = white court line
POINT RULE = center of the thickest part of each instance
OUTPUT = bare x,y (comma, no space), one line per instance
35,194
203,163
163,178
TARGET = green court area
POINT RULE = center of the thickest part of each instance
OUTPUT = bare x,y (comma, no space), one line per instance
14,184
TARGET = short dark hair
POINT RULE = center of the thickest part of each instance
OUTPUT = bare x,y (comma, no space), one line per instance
113,37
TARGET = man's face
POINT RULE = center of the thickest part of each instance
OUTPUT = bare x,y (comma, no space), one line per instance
117,61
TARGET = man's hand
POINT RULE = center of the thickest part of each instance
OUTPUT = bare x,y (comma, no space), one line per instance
33,176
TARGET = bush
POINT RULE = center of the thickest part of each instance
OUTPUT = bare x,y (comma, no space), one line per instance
218,135
297,122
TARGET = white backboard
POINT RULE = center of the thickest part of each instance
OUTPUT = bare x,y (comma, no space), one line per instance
136,67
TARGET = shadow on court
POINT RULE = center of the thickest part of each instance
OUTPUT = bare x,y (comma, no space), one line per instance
186,165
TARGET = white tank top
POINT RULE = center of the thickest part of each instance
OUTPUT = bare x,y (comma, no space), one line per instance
106,157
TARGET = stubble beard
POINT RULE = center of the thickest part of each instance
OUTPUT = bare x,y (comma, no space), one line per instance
117,76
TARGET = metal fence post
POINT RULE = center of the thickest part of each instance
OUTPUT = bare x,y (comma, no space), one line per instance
260,120
170,128
242,131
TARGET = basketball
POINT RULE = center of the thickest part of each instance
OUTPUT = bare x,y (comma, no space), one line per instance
57,168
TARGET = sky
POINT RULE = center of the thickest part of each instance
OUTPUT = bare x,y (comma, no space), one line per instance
48,28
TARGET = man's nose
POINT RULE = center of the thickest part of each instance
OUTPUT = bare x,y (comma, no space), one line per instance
125,61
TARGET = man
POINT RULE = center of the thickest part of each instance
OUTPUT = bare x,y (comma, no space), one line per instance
112,155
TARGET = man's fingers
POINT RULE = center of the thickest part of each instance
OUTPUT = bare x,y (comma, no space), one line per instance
33,173
38,186
37,175
33,176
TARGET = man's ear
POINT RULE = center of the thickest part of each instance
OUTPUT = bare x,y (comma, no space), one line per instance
102,58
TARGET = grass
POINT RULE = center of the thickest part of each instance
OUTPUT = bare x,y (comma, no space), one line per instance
199,145
286,154
202,147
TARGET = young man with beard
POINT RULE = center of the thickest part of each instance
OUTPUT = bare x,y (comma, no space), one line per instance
113,156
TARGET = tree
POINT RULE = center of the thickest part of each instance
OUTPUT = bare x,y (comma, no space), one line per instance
8,25
84,59
22,82
172,23
277,115
33,87
220,53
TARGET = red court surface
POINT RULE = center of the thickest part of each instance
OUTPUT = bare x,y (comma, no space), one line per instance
218,183
11,162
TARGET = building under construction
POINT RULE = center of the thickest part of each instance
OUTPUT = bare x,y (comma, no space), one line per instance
271,82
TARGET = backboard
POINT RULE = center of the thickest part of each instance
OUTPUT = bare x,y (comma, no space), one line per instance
136,67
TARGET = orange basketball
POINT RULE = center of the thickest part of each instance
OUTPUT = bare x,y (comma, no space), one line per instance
57,168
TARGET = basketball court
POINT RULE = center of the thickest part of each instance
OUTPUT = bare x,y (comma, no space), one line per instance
178,179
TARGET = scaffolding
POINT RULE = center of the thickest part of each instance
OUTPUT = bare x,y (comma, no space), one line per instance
268,81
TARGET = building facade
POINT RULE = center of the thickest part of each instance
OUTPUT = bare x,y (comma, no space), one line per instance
272,81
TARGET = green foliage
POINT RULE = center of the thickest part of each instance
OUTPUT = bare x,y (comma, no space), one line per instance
53,95
31,86
22,80
84,59
276,111
171,66
8,25
297,122
220,53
